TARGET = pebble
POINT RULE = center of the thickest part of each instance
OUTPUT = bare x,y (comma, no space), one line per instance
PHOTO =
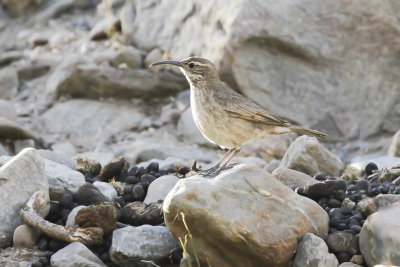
370,168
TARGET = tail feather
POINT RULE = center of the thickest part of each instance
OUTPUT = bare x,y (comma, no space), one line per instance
313,133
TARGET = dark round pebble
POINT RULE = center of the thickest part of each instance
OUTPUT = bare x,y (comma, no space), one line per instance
60,222
138,193
343,257
132,171
132,180
321,177
332,230
351,187
362,222
42,245
336,213
345,211
340,195
334,203
374,191
153,167
128,190
145,185
384,189
357,217
36,264
335,221
54,208
105,256
122,175
140,172
55,245
341,226
128,198
355,228
183,170
47,254
120,200
65,212
148,178
370,168
44,260
323,201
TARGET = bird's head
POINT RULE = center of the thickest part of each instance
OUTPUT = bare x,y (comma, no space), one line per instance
196,69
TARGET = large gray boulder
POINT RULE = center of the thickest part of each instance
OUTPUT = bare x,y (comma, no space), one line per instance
296,58
307,155
79,78
74,255
21,176
379,238
313,252
134,246
255,219
89,122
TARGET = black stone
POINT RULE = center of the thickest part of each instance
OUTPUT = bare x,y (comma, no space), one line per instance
122,175
44,260
343,257
316,190
112,168
132,171
54,208
361,185
47,254
140,172
138,213
370,168
384,189
132,180
183,170
105,256
335,221
374,191
60,222
336,213
128,198
36,264
340,195
138,193
397,190
355,228
323,201
145,185
357,217
89,194
120,200
66,201
128,190
321,177
65,212
42,245
148,178
153,167
176,255
334,203
345,211
335,185
341,226
55,245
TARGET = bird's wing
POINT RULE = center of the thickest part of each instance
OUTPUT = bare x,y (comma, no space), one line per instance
240,107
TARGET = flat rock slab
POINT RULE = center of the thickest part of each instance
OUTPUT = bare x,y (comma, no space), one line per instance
242,217
75,255
132,246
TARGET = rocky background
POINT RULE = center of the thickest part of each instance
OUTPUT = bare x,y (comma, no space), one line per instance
104,152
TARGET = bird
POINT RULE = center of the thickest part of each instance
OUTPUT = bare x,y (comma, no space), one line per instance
224,116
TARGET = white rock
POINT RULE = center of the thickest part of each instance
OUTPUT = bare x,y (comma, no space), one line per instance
394,149
21,176
106,189
71,216
129,55
313,252
75,254
291,177
8,83
307,155
50,155
65,148
246,202
379,242
133,245
153,56
61,175
160,188
24,237
273,165
7,110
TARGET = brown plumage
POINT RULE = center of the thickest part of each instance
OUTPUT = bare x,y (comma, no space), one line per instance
224,116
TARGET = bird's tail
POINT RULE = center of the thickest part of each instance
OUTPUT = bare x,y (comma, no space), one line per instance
313,133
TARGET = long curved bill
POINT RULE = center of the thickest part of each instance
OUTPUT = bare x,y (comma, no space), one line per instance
166,62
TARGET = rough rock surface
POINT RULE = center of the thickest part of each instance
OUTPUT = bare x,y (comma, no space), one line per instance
291,177
314,62
307,155
313,252
369,206
132,246
379,242
21,176
247,206
75,254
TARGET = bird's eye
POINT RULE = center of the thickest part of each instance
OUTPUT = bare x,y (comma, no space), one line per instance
191,65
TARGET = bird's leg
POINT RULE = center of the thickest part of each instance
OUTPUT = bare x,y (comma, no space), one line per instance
225,166
216,166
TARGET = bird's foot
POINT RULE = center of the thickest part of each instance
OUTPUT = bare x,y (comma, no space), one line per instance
214,171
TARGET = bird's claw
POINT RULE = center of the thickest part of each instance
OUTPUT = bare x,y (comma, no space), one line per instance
214,171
